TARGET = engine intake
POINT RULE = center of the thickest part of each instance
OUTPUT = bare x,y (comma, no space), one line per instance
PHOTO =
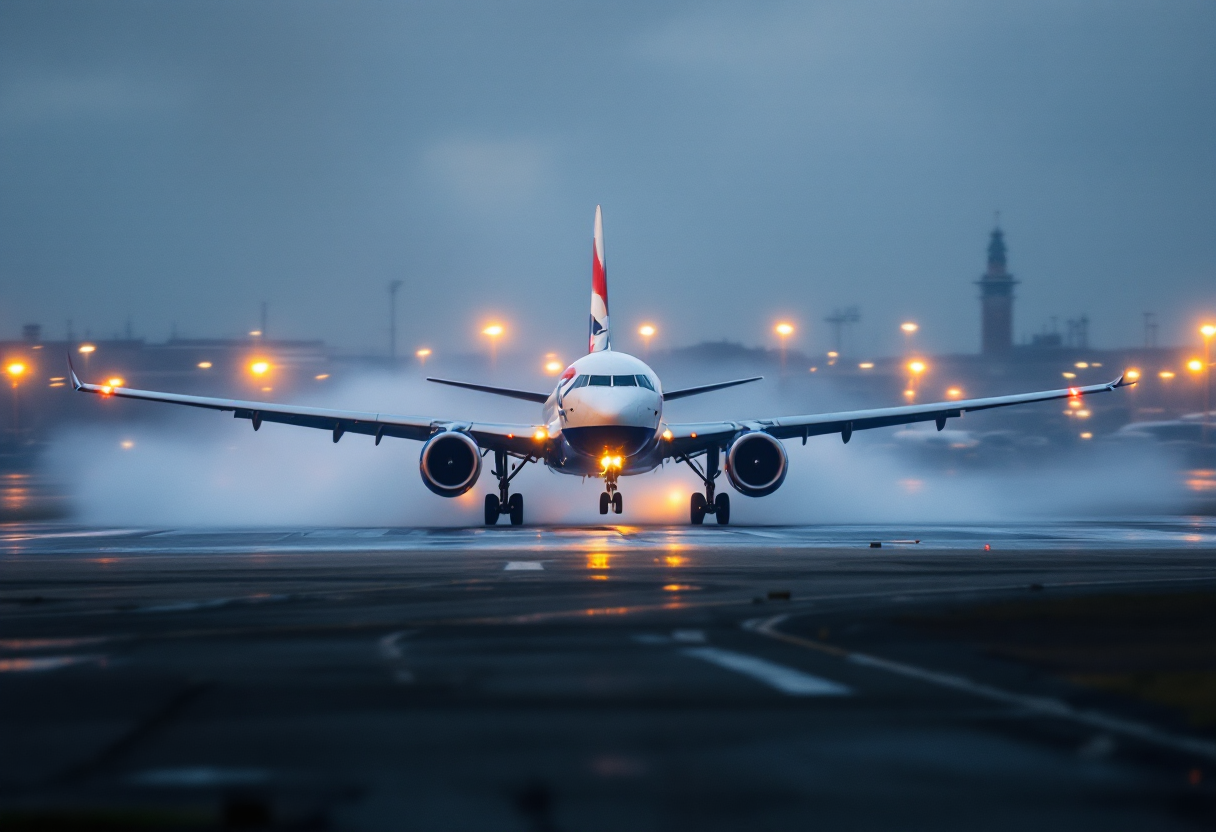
450,463
756,464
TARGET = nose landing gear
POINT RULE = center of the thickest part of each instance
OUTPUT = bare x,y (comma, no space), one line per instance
708,503
611,496
504,502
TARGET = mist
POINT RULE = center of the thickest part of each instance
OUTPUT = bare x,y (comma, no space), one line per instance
202,468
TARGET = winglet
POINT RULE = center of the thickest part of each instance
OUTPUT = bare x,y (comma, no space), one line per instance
1121,382
76,385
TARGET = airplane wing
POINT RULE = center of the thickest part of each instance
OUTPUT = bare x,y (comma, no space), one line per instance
706,388
690,437
496,437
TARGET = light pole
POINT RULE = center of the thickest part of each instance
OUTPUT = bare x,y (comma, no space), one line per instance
647,332
493,332
1207,331
392,318
784,331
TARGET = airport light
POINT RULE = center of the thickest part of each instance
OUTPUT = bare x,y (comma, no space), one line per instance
917,367
204,365
259,368
1194,365
910,394
866,365
1132,375
422,354
257,333
1166,375
1069,375
321,376
909,327
126,444
954,393
1081,365
1208,330
85,349
493,332
552,365
15,370
1087,435
647,330
784,330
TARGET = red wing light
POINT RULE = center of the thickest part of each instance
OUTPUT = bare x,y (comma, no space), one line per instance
1072,391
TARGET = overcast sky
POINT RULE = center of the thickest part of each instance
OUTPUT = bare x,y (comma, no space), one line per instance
177,163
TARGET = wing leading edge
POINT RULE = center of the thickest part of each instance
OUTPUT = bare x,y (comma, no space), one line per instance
690,436
514,438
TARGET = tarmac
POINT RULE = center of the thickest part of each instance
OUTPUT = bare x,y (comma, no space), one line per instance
609,677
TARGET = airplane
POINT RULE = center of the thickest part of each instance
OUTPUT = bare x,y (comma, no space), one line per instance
603,419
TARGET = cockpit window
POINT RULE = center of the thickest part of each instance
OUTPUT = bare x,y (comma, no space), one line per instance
581,381
644,381
624,381
601,381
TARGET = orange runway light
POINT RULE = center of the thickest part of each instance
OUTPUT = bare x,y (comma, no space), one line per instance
259,368
917,367
540,435
16,369
1075,403
833,354
204,365
667,434
909,393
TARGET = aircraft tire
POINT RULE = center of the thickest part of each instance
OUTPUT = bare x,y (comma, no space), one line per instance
618,504
698,508
722,506
492,509
515,505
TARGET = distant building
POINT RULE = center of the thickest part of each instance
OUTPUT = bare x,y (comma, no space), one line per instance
996,300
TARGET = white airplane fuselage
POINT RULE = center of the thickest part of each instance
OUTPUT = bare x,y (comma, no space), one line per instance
606,405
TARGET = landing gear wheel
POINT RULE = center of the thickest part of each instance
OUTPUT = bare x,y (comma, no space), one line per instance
492,509
617,503
722,509
515,506
604,500
698,508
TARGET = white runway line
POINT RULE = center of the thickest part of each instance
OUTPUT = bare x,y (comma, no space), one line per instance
523,566
1036,705
785,679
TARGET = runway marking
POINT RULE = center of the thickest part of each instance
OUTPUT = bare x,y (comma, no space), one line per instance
785,679
523,566
1037,705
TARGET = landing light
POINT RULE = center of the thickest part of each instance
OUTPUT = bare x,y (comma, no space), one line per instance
667,434
540,435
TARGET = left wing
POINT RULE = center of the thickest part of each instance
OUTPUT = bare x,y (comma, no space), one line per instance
518,439
693,436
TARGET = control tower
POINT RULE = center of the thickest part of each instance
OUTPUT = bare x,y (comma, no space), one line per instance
996,300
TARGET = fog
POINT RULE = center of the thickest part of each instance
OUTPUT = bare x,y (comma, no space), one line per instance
201,468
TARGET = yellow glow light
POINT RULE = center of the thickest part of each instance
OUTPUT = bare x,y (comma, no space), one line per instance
667,434
56,384
606,462
1081,365
1208,330
598,560
1074,403
953,393
647,330
15,369
1069,375
106,390
493,330
909,327
916,367
1132,375
1194,365
616,462
540,434
674,560
909,393
833,354
115,382
866,365
1082,414
1087,435
204,365
87,348
321,377
694,435
784,330
267,389
1166,374
423,353
259,368
126,444
553,367
257,333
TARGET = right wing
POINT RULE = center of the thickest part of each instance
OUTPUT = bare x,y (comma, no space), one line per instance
691,437
528,396
519,439
706,388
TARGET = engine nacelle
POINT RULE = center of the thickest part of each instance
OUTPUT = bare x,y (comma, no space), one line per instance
450,463
756,464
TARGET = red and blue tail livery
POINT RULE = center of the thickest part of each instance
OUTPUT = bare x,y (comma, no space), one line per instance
599,290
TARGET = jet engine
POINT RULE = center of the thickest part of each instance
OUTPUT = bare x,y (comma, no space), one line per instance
450,463
756,464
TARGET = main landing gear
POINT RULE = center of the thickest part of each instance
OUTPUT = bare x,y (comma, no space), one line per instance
611,498
707,503
504,502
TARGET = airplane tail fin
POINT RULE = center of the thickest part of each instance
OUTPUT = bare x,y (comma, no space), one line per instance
598,338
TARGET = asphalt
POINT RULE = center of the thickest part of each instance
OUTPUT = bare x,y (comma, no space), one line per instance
577,679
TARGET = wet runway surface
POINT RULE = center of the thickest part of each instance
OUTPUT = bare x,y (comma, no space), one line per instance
580,679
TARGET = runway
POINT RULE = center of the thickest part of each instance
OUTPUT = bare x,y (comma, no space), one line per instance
610,677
